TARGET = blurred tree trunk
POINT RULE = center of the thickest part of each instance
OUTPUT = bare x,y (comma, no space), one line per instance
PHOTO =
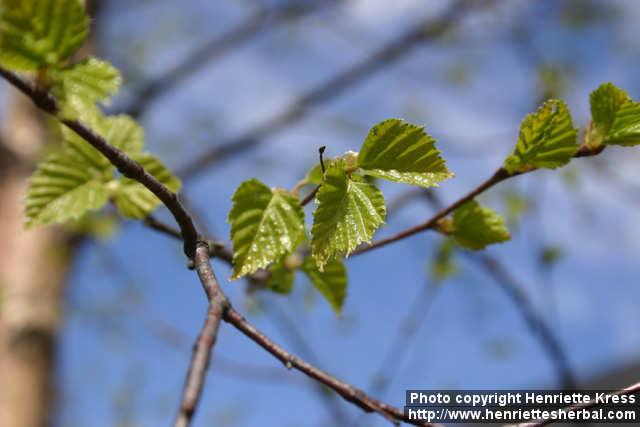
33,269
32,272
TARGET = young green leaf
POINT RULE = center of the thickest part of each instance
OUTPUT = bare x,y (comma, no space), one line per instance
402,152
547,139
475,227
265,226
314,176
132,198
78,148
605,102
331,283
39,33
81,85
63,189
120,131
625,129
348,213
281,278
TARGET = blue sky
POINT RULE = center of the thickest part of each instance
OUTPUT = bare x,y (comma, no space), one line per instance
113,366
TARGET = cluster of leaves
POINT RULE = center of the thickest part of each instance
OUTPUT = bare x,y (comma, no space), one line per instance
268,225
41,37
268,230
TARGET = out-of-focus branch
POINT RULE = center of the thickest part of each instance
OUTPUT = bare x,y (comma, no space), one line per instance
515,291
534,321
254,25
403,339
421,33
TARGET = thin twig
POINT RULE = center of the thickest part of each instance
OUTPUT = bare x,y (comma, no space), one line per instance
347,391
125,164
500,175
198,367
154,223
301,346
309,197
199,251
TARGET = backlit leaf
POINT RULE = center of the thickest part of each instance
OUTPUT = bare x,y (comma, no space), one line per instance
475,227
348,213
402,152
625,129
120,131
265,225
63,189
314,176
605,102
132,198
39,33
81,85
331,283
547,139
281,278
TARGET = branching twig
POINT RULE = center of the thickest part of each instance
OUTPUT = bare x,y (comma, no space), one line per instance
219,306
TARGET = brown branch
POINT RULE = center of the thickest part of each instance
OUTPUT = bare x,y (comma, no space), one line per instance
199,251
347,391
217,248
218,304
500,175
309,197
258,22
634,388
423,32
125,164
